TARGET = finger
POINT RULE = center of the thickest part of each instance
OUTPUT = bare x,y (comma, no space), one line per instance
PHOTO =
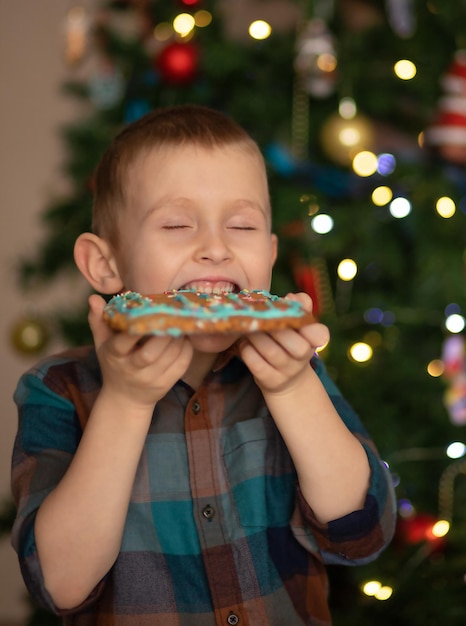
278,346
318,335
303,298
160,350
100,331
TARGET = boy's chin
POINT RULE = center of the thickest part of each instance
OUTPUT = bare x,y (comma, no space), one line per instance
213,343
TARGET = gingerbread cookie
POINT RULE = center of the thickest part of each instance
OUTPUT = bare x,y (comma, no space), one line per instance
187,312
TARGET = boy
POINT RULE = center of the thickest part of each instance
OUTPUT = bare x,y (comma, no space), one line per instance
189,481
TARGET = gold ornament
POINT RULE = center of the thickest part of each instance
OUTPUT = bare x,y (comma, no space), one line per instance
343,138
29,335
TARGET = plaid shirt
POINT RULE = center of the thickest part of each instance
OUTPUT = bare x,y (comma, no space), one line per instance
217,532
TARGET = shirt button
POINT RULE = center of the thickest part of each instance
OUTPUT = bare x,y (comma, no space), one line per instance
196,408
233,619
209,513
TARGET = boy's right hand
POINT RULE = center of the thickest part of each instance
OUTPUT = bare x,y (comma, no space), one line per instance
137,371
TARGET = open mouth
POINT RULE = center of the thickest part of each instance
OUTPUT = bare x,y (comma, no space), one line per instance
212,287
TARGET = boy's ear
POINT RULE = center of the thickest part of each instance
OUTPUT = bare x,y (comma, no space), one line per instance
96,262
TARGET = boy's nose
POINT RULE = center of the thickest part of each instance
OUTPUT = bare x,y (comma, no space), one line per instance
213,246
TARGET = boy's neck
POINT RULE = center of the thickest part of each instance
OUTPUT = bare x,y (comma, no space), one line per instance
201,364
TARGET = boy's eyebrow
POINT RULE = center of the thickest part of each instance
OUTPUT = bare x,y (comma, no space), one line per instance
187,203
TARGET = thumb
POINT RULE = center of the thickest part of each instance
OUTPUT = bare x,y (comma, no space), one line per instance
100,331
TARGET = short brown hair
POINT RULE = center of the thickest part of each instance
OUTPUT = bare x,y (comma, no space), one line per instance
178,125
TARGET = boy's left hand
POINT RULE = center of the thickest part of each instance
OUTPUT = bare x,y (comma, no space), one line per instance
279,358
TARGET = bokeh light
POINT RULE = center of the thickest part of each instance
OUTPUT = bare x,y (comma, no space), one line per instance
347,269
386,164
405,69
435,368
183,24
382,195
322,223
202,18
400,207
260,29
445,207
441,528
456,450
360,352
365,163
455,323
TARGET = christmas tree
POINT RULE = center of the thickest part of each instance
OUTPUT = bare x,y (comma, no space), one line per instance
360,109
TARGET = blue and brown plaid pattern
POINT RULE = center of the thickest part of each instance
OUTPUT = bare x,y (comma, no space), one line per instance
217,531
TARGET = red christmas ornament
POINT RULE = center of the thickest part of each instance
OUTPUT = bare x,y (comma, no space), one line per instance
191,3
178,62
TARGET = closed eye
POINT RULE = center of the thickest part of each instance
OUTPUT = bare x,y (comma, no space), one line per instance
243,228
175,226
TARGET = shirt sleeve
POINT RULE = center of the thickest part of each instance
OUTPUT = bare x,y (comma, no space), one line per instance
47,437
360,536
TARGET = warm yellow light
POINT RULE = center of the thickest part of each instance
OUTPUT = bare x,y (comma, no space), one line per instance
163,31
365,163
202,18
260,29
445,207
384,593
371,587
349,136
382,195
435,368
347,269
404,69
441,528
326,62
361,352
183,24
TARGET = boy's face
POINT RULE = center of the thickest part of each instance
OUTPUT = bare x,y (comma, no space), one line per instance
197,219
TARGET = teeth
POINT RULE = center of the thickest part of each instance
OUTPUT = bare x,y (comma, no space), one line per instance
210,287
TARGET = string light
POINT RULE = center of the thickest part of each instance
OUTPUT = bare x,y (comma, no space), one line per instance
455,323
371,587
445,207
365,163
183,24
382,195
400,207
347,269
374,588
360,352
435,368
441,528
384,593
386,164
259,29
456,450
322,223
405,69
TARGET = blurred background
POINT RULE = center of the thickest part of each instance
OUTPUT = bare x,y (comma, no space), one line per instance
360,109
